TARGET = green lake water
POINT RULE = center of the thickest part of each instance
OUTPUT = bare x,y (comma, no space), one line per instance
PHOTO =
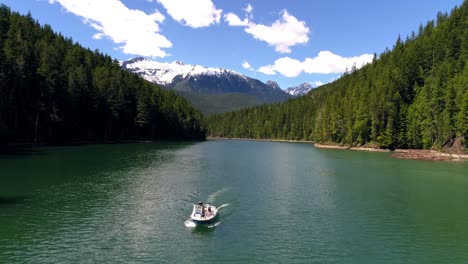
281,203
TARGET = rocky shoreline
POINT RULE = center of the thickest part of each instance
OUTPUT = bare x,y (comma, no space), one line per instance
422,154
416,154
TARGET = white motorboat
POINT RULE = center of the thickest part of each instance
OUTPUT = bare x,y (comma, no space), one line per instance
203,213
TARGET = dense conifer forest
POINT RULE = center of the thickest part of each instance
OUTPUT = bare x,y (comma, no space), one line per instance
54,91
413,96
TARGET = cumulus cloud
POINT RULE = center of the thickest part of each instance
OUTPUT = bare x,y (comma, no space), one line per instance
287,67
246,65
325,63
200,13
234,20
317,83
136,31
284,33
267,70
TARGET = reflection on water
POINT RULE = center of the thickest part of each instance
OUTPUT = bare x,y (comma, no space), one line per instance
13,200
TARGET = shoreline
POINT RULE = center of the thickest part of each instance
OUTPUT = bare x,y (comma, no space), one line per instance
331,146
259,139
414,154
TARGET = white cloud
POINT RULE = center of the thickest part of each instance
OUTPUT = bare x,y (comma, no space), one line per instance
317,83
325,63
266,70
246,65
287,67
233,20
137,31
284,33
200,13
98,36
248,9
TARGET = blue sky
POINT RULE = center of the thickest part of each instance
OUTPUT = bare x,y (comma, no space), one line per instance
290,42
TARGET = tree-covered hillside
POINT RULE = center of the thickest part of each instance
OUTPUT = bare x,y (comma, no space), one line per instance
210,104
414,96
54,91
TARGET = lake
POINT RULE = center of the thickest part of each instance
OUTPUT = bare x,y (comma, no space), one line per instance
281,203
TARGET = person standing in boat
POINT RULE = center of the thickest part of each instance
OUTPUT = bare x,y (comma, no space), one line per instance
202,209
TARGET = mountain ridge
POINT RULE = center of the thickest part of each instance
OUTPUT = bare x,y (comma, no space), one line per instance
189,79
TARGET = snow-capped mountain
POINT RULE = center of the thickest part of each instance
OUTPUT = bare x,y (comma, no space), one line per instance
299,90
164,73
196,78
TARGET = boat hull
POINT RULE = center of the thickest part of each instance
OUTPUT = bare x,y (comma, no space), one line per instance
204,221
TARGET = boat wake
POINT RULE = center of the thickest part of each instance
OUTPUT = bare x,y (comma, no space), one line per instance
212,197
222,206
213,225
189,223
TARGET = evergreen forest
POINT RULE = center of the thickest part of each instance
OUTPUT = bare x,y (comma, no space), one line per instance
54,91
412,96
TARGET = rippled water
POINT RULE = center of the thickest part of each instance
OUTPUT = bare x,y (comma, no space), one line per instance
281,203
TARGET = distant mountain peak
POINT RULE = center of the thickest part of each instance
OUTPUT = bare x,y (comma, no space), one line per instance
299,90
273,84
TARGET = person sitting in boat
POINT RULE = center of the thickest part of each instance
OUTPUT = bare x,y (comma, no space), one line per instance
209,211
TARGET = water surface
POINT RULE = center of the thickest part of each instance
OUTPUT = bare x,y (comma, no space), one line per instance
282,203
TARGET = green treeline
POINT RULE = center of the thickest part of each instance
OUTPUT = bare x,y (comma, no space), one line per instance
54,91
415,96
